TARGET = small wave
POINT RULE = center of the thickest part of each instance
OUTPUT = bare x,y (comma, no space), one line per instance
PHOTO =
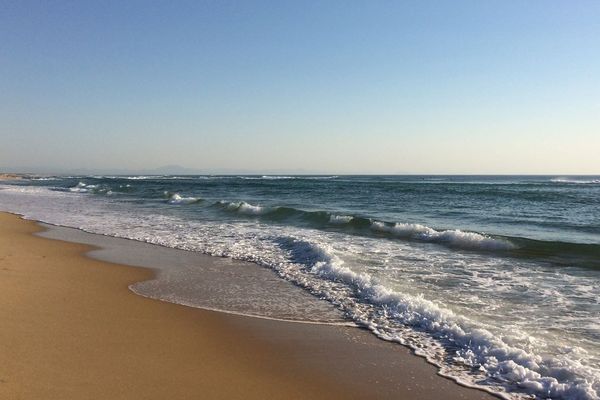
454,238
283,213
176,198
575,181
320,177
243,208
141,177
340,219
286,177
276,177
266,177
81,188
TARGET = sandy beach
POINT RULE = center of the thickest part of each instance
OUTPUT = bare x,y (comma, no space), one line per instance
7,177
72,330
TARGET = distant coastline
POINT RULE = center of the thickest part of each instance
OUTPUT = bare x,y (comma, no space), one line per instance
7,176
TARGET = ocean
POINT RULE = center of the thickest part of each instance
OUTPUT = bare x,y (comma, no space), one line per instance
494,279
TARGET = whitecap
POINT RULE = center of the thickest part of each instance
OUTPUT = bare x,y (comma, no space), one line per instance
454,237
340,219
176,198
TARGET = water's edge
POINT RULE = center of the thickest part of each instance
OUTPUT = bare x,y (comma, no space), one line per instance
104,250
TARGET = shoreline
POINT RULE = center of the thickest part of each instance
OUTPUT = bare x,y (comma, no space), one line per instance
164,260
261,357
11,177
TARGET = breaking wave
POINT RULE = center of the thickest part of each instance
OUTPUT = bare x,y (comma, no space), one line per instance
454,238
416,232
243,208
286,177
176,198
576,181
504,363
82,187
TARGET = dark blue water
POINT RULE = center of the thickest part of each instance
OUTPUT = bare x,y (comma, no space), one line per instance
544,216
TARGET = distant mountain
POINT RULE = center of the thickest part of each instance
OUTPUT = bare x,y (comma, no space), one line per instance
164,170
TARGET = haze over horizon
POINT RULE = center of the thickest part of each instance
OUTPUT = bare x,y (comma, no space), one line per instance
335,87
178,170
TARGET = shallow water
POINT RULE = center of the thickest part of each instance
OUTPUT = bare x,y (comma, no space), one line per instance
212,283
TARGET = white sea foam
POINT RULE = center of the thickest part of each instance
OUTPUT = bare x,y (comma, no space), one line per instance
81,188
576,181
243,208
277,177
455,237
141,177
340,219
176,198
320,177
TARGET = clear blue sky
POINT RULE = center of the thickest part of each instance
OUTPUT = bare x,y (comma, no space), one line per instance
329,86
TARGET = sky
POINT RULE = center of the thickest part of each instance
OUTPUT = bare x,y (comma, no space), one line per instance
431,87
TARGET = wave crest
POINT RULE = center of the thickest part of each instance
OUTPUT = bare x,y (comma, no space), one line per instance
176,198
340,219
242,207
575,181
454,238
285,177
82,187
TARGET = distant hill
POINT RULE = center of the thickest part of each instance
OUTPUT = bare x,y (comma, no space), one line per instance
163,170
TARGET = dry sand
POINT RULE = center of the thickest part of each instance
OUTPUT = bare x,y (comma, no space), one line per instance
71,329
